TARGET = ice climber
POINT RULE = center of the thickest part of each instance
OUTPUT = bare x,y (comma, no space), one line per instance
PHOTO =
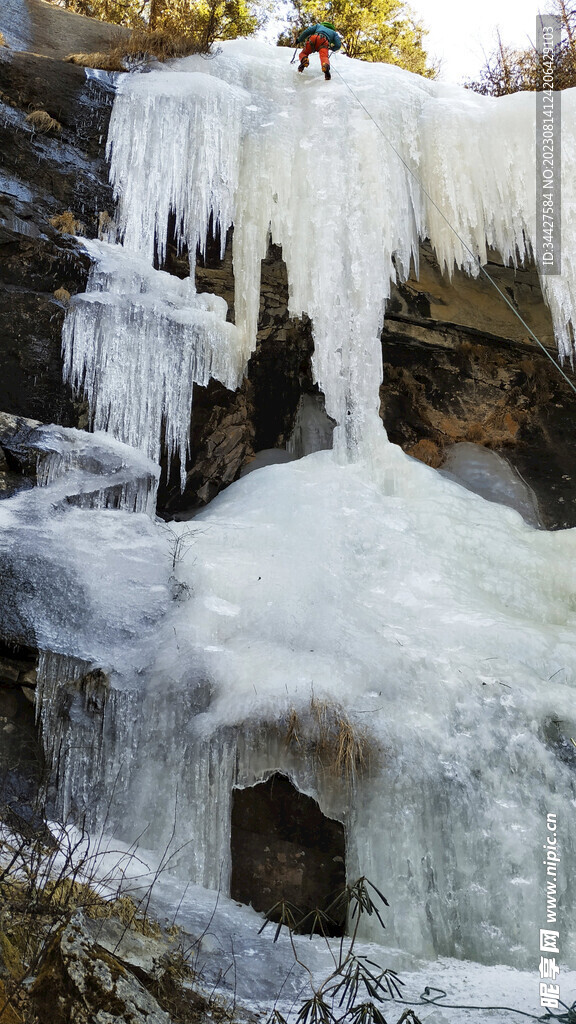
319,39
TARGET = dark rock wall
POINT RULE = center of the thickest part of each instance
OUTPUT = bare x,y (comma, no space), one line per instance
52,185
459,366
228,428
21,760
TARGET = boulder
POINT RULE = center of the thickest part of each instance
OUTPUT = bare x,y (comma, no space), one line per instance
45,29
82,982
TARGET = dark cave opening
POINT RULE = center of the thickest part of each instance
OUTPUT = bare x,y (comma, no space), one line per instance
285,849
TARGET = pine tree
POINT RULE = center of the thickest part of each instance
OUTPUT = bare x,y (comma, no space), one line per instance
377,30
209,19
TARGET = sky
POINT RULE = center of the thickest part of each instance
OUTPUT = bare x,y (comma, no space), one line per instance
462,34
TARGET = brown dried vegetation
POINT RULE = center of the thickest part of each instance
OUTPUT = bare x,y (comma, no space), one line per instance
42,123
67,224
141,46
49,894
325,732
162,43
427,451
103,61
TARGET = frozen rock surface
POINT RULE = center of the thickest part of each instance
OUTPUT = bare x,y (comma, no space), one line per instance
313,429
82,576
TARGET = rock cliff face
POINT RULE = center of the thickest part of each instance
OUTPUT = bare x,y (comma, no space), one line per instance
458,366
54,183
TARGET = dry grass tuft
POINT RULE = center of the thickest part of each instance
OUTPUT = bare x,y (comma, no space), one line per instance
42,122
2,40
111,61
105,224
62,295
67,224
143,45
427,451
293,729
351,752
341,746
325,731
163,44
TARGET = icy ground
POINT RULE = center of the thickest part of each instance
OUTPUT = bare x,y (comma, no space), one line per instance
230,957
251,968
441,624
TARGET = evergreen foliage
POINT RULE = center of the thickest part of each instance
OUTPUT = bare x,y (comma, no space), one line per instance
206,19
377,30
357,989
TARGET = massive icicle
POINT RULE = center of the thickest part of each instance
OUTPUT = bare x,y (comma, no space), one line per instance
137,342
243,140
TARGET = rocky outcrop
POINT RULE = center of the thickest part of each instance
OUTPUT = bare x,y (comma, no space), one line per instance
459,366
81,982
39,27
70,957
54,185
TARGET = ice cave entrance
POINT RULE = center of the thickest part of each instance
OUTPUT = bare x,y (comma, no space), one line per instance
285,848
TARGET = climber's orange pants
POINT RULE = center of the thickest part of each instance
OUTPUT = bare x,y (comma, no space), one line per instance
317,44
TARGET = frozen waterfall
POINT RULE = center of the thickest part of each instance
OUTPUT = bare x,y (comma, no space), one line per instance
439,626
241,139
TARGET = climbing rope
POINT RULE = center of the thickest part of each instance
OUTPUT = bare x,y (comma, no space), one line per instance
460,239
